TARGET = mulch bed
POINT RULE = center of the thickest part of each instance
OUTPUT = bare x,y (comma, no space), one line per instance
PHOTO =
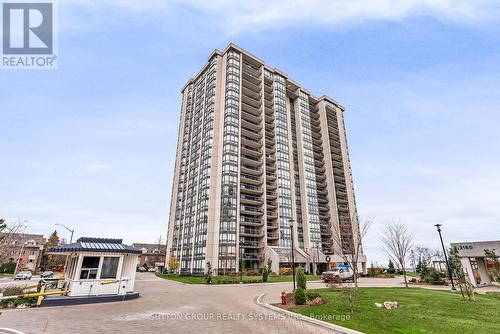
290,302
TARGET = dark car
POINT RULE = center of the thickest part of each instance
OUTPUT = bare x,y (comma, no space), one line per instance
47,274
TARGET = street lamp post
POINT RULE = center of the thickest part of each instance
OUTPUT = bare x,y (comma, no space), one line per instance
317,258
70,241
438,226
293,254
20,254
241,263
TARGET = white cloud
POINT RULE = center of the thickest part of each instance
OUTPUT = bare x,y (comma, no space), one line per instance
257,15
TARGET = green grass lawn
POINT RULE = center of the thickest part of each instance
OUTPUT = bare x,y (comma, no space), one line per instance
419,311
201,279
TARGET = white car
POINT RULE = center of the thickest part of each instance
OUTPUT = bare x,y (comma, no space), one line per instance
152,270
23,275
342,273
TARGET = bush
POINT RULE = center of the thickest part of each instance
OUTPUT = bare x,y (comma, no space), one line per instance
267,270
301,278
13,303
390,268
285,271
253,272
300,296
12,290
7,268
311,295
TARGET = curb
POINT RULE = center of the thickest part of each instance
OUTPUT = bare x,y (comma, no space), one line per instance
320,323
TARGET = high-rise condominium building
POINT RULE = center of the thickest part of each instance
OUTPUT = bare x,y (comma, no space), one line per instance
257,153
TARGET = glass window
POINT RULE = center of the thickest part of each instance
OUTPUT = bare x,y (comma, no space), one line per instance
109,267
90,266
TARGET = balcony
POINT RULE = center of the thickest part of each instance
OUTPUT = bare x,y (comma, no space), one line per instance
247,221
249,85
249,141
251,179
251,93
251,126
251,244
251,134
250,189
251,200
250,210
248,169
247,232
272,236
250,151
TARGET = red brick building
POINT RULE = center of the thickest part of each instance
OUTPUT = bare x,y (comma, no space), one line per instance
28,248
153,255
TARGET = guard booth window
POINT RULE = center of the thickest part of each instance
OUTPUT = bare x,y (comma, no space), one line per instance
109,267
90,265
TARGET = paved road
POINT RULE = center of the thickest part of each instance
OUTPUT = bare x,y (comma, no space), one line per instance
171,307
4,282
167,307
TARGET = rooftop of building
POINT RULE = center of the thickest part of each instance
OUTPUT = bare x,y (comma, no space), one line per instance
28,238
150,248
256,59
96,245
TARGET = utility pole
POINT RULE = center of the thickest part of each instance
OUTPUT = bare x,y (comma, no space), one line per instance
293,254
438,226
20,254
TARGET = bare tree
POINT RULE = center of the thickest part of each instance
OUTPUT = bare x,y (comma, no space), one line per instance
423,257
352,247
8,234
398,242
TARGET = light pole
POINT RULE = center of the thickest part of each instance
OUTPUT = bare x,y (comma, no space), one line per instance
70,241
241,262
293,254
317,259
438,226
20,253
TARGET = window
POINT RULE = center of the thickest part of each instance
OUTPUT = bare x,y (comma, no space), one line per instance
109,267
90,266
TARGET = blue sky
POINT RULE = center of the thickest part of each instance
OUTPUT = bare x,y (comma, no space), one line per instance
92,144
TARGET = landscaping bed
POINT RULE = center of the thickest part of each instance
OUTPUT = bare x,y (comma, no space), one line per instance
418,311
231,279
312,299
16,302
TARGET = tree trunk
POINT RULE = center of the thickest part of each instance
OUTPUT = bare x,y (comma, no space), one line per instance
404,275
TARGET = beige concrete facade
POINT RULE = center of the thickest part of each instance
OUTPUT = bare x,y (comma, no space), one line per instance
256,151
473,258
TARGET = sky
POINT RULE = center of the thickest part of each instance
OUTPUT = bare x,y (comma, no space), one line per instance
92,144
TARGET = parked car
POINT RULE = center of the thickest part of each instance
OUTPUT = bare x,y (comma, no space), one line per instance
47,274
152,270
141,269
23,275
342,274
